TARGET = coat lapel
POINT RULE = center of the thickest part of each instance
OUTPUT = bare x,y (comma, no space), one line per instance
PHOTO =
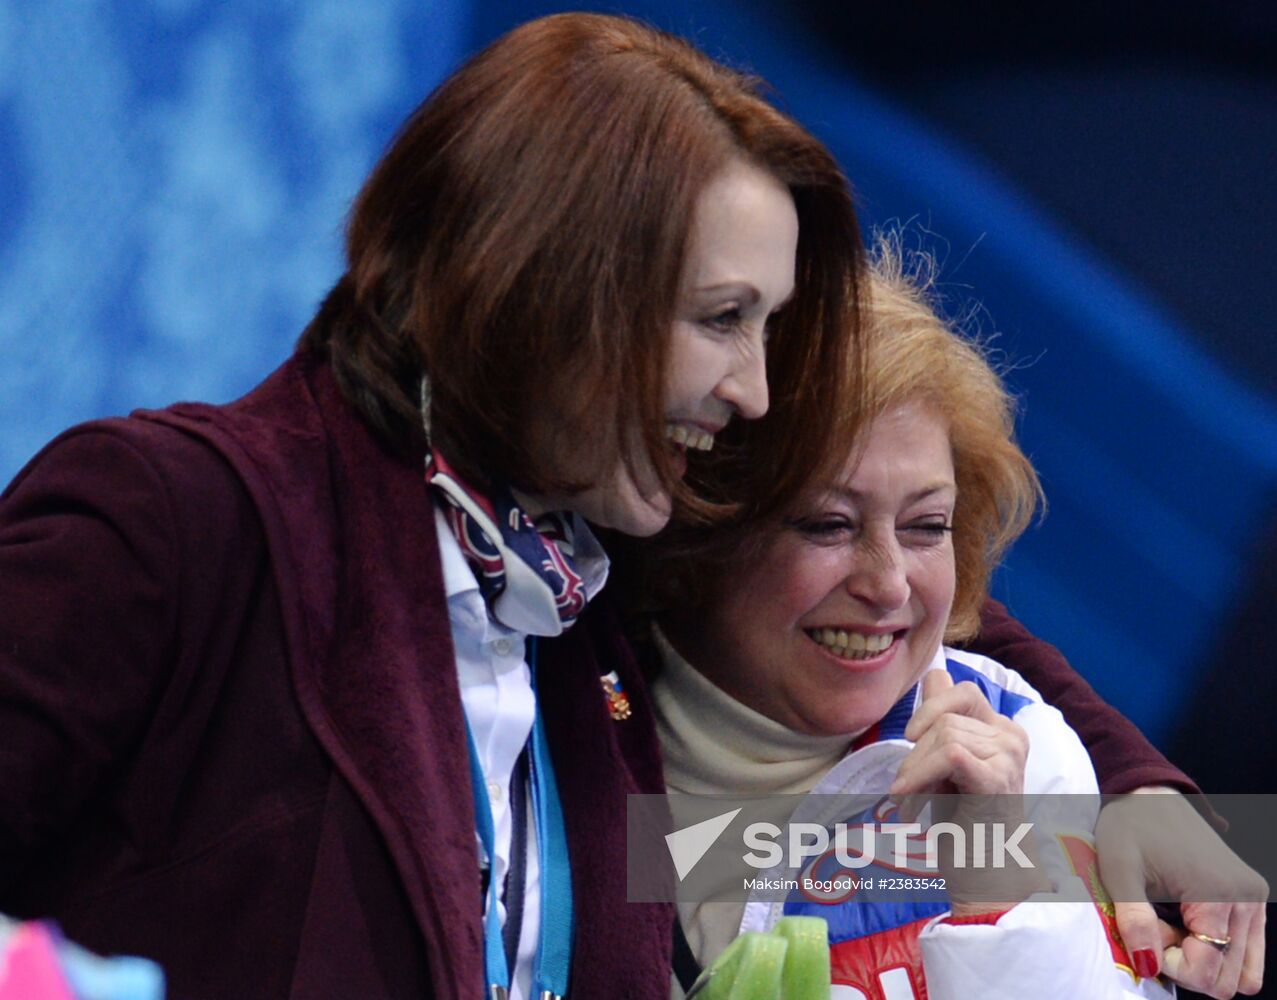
620,949
352,540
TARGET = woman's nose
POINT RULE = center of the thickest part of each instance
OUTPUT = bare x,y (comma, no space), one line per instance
878,577
745,386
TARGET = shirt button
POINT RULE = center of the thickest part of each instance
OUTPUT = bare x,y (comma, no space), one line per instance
494,791
503,646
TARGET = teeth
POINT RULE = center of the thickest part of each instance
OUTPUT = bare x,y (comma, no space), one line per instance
690,437
852,645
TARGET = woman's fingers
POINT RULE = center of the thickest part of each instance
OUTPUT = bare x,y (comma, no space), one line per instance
1253,961
1217,971
961,744
940,696
935,769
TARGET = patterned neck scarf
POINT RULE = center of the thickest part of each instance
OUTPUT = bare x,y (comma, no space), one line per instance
524,568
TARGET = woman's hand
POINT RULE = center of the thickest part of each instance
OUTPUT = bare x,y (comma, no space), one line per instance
1163,846
963,746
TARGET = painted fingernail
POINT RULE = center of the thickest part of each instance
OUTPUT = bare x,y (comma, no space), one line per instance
1145,963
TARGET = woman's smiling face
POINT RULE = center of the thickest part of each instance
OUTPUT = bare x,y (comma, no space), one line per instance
849,601
738,271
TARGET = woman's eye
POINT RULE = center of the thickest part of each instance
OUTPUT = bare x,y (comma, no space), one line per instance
727,321
928,532
823,529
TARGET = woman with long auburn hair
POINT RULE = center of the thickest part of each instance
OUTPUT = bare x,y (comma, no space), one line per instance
294,694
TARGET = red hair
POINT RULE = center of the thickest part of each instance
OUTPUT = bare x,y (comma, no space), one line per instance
527,229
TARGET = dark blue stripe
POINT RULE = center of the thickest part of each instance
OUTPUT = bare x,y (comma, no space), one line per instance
1003,701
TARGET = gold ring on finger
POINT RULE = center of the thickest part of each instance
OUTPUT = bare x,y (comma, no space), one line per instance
1219,944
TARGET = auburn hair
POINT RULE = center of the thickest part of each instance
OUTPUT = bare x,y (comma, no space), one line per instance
526,230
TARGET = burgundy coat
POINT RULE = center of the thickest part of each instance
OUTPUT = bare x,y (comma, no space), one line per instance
231,736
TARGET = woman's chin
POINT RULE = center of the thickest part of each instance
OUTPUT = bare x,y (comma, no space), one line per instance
861,693
849,717
646,527
640,517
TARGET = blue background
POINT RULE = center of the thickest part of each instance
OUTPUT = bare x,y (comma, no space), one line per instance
174,175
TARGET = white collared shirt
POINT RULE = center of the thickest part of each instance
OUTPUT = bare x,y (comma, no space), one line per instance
500,706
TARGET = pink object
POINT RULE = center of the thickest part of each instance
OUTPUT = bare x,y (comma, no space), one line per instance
29,968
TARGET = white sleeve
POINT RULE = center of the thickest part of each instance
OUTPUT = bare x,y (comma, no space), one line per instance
1003,677
1050,950
1045,947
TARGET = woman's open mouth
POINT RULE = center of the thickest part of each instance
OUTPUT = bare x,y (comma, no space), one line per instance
847,644
686,436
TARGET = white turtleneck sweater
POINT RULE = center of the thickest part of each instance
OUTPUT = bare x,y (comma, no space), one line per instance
714,745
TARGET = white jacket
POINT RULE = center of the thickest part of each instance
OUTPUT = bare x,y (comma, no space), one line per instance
1042,947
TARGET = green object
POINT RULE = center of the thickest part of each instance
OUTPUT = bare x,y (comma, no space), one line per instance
788,963
806,975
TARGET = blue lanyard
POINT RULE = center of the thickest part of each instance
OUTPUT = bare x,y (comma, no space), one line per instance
554,949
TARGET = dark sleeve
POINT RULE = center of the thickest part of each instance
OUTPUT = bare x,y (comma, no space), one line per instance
1124,760
88,604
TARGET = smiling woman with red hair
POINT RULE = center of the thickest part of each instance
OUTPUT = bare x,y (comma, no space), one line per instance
812,658
267,669
523,242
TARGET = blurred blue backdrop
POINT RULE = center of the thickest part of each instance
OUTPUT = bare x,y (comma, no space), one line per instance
174,176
